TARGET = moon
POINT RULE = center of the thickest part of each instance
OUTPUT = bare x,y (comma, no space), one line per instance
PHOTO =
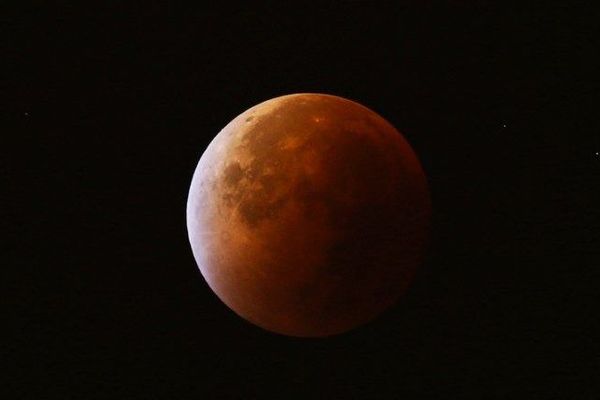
308,215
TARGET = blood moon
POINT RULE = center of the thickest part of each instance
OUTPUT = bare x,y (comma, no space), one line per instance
307,214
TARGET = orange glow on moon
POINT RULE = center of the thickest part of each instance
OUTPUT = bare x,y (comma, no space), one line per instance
307,215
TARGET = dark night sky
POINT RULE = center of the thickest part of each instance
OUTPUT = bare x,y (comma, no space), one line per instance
113,106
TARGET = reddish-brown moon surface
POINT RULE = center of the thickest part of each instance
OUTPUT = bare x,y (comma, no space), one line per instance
307,214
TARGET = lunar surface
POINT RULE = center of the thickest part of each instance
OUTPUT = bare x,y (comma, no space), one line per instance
307,215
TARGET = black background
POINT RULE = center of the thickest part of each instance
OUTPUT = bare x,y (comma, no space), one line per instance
114,104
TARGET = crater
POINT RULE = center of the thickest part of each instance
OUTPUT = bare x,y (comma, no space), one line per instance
232,174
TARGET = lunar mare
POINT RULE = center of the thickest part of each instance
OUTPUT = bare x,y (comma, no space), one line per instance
307,214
